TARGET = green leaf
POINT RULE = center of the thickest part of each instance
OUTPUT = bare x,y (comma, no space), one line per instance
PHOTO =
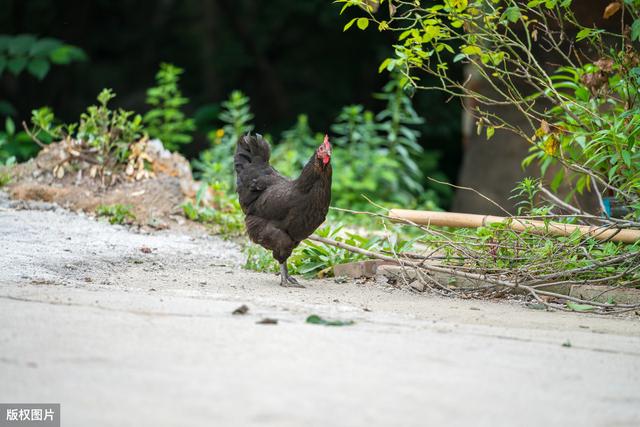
349,24
44,47
490,131
314,319
583,34
557,180
459,57
363,23
580,307
16,65
635,30
38,67
512,14
384,65
471,50
66,54
582,93
4,42
9,126
21,44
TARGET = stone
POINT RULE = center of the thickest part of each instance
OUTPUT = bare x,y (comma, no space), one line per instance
358,269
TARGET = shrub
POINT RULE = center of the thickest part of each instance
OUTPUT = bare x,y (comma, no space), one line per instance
592,125
166,121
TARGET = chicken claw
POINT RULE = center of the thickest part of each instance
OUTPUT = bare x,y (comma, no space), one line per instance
286,280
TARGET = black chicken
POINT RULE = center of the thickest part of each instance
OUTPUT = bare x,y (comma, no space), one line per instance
281,212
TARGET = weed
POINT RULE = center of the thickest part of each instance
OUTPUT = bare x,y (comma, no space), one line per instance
165,120
116,214
222,211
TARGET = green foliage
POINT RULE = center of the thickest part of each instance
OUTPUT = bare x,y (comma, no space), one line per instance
117,213
387,140
103,136
259,259
5,169
317,259
595,129
526,190
222,211
27,52
593,124
15,144
5,176
580,307
165,120
498,250
110,132
296,147
216,163
397,124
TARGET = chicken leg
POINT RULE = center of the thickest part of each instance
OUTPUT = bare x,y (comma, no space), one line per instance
286,280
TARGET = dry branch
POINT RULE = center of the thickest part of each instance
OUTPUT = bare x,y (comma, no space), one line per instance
606,308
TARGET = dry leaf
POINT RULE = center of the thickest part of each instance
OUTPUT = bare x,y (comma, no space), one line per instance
129,170
370,5
611,10
93,171
267,321
243,309
544,126
60,172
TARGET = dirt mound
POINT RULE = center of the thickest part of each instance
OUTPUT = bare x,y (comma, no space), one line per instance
154,181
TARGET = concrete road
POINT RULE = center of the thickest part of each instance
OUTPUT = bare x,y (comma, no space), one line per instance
121,337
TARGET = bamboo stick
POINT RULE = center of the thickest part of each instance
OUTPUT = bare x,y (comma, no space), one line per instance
452,219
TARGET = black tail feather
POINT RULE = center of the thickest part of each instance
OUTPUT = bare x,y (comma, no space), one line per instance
251,150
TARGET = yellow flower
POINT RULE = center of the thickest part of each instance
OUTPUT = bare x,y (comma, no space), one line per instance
551,145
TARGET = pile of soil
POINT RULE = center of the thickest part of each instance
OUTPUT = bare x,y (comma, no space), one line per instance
155,192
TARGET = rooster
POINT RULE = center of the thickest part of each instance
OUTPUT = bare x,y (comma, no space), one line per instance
281,212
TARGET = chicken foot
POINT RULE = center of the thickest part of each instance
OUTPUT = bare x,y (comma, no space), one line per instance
286,280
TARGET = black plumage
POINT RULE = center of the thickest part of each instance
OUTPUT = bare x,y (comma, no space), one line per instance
281,212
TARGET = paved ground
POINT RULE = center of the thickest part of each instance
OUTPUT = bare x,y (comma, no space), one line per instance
127,338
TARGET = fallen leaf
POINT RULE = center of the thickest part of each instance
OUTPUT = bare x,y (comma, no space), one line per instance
314,319
145,249
580,307
267,321
243,309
